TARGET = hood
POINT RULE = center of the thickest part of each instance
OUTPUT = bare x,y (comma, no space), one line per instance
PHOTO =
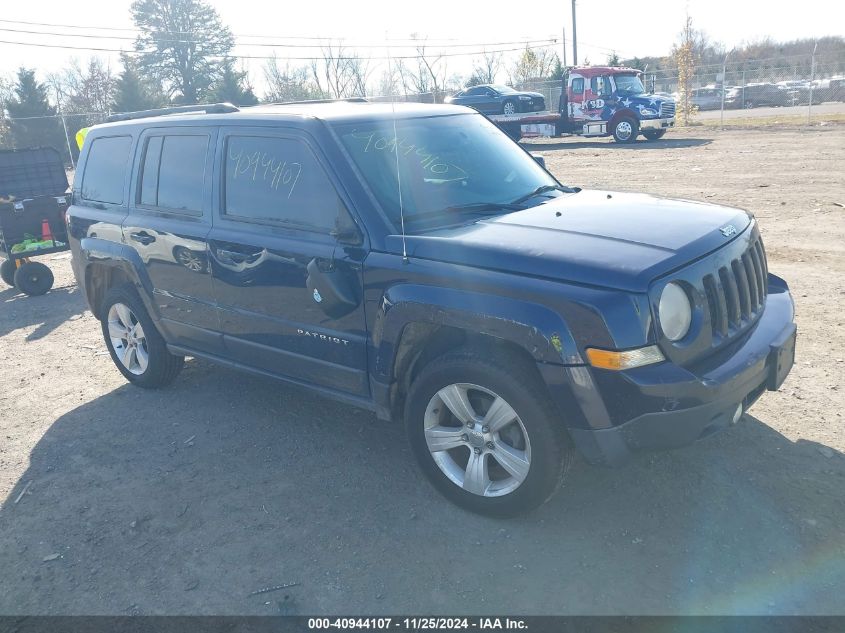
598,238
536,95
645,100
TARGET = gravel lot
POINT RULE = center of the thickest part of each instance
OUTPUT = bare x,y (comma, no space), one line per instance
188,499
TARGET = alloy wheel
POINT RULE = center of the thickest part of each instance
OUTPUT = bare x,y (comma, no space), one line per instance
477,440
127,339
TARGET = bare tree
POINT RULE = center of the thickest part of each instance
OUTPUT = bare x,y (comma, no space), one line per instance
532,64
426,74
286,83
684,56
390,83
84,90
341,73
486,69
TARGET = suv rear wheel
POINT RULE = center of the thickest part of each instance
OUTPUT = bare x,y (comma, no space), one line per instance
486,435
135,345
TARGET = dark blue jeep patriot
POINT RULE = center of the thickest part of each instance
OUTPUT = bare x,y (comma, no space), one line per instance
415,261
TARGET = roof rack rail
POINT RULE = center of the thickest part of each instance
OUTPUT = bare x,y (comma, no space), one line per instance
208,108
310,101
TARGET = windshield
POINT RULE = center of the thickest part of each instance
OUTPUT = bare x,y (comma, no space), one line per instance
444,161
505,90
629,85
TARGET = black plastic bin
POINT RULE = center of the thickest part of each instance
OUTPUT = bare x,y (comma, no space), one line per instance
33,186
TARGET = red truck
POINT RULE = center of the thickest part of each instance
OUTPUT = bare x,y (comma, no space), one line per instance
601,101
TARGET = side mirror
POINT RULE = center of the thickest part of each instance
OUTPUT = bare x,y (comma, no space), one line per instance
331,288
600,85
541,160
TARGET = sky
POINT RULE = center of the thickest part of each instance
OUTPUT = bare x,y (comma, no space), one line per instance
629,28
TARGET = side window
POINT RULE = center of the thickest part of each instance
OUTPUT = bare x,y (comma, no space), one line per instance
278,180
173,172
578,86
105,169
149,172
605,86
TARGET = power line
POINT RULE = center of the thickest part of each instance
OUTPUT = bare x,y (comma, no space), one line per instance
269,57
411,40
190,41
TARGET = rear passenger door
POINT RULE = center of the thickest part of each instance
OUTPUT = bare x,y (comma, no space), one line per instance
276,230
168,223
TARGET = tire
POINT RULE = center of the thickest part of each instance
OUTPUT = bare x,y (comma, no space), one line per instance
533,442
33,278
140,354
626,130
653,135
509,107
7,272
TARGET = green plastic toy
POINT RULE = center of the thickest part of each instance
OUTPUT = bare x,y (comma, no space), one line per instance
30,243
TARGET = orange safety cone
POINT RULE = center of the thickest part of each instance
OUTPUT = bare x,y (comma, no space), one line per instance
46,235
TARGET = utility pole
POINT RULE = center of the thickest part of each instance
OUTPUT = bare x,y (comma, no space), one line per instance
724,81
564,47
574,37
812,78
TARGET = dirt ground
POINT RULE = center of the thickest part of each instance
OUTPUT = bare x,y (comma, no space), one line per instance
123,501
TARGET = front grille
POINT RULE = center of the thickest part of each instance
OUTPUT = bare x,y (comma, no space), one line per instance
667,109
736,293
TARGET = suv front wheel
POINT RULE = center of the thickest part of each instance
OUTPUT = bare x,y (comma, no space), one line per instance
485,434
135,345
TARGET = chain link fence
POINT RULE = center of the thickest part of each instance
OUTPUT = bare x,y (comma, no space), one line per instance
803,80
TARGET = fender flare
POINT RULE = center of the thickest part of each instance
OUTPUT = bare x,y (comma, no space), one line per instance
100,252
533,327
626,113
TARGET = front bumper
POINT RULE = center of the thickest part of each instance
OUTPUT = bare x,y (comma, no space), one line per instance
657,124
695,406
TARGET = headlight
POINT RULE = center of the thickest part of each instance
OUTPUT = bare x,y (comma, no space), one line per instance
524,98
674,312
648,112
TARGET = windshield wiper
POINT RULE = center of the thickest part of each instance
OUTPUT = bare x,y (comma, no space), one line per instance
542,189
481,207
474,208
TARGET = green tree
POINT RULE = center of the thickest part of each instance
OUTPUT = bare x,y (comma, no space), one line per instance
613,59
182,43
233,86
532,64
32,120
131,91
558,71
7,89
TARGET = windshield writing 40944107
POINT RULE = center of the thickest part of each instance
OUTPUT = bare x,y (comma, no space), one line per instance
435,165
262,168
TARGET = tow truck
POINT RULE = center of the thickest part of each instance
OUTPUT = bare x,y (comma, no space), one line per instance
600,101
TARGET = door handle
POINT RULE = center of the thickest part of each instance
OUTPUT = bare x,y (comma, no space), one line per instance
143,237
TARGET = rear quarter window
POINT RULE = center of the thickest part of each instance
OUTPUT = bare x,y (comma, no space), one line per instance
105,169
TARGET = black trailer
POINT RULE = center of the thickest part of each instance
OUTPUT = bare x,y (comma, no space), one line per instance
33,202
